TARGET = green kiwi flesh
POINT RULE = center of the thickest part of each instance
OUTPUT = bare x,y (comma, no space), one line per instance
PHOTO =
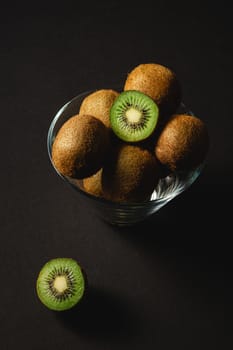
133,116
60,284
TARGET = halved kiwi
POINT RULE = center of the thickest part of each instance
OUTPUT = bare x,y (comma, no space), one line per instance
60,284
133,116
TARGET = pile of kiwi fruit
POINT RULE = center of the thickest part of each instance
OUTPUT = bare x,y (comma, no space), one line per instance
120,142
118,146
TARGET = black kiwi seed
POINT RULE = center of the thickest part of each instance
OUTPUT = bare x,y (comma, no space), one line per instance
133,116
60,284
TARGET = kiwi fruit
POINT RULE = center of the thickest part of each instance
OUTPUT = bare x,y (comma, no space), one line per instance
131,174
93,184
183,143
61,284
157,81
80,146
98,104
133,116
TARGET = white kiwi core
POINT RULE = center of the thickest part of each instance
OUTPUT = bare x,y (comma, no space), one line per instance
133,115
60,284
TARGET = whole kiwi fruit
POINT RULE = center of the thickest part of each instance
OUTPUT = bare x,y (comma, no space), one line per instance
61,284
183,143
98,104
80,146
157,81
130,175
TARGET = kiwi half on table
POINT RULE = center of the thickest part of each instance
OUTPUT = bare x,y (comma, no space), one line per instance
133,116
60,284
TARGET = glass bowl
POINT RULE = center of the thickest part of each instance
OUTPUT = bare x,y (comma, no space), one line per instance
121,214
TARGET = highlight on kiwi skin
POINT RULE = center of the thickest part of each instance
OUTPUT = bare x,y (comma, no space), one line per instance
133,116
60,284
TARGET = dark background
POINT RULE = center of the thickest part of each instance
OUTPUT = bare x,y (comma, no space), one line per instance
165,283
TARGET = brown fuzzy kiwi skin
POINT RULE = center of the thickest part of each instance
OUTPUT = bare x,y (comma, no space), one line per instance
159,82
131,175
98,104
183,143
93,184
80,146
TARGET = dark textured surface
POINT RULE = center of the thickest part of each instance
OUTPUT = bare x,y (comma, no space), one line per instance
165,283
